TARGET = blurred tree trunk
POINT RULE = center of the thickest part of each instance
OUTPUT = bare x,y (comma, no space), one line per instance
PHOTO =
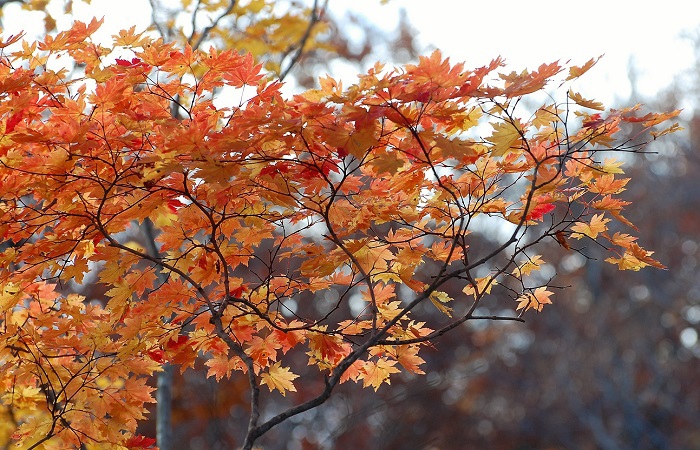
164,391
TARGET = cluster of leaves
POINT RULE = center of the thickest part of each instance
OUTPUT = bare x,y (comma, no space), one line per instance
278,33
275,32
376,193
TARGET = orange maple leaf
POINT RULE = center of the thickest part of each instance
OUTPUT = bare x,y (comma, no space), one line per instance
534,300
327,349
607,184
375,373
407,355
596,226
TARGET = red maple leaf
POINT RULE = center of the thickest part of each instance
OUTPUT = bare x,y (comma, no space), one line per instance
539,211
139,441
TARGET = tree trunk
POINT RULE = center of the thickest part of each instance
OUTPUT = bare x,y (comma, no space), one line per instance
164,407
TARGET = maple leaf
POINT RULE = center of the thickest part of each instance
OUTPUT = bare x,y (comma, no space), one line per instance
135,62
635,258
157,355
577,71
526,82
407,356
289,339
579,100
539,211
465,120
653,119
372,257
139,442
443,251
529,265
10,294
611,165
279,378
534,300
327,349
561,239
462,150
354,372
176,343
623,240
672,129
439,299
13,38
221,366
376,373
129,38
263,350
12,121
596,226
505,136
483,286
120,296
592,121
546,116
607,184
387,162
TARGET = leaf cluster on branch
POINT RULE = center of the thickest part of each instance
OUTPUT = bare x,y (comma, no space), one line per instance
382,192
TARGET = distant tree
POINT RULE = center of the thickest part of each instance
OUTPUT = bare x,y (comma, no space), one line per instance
376,197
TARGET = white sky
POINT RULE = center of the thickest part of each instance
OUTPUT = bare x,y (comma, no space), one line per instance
525,33
528,33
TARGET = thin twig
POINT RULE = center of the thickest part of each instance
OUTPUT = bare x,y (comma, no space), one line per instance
205,32
297,53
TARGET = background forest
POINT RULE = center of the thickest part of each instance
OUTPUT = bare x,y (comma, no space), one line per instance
613,364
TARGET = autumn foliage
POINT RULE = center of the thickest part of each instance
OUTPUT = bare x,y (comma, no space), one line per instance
381,192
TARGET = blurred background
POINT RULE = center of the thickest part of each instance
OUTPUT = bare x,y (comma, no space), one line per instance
614,363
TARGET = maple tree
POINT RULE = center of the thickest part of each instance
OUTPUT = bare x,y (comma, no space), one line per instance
615,346
381,193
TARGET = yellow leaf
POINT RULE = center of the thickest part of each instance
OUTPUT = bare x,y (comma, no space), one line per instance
623,240
546,116
529,266
593,229
635,258
672,129
49,22
24,396
9,296
439,299
120,296
372,257
607,184
483,286
279,378
579,100
611,165
505,136
465,120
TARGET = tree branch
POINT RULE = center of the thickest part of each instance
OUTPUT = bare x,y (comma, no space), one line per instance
298,52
